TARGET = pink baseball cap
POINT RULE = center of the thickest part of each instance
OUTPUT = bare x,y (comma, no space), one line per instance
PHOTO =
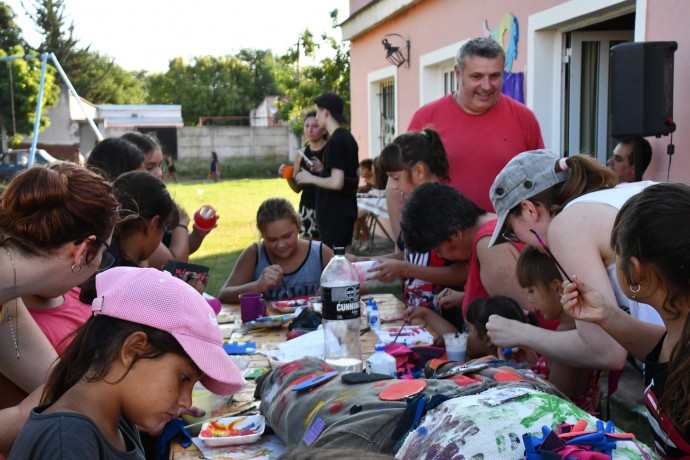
157,299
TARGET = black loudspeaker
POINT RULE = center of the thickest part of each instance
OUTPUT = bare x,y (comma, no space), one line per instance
641,89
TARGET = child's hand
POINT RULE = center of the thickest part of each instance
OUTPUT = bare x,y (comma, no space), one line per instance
504,332
421,313
449,298
194,281
281,168
387,270
202,233
270,277
584,303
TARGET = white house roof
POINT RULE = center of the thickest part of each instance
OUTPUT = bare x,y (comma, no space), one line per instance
130,116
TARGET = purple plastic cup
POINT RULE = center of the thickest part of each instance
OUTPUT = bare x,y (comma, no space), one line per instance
252,306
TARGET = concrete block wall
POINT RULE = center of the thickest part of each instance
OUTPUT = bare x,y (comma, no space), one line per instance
227,141
235,141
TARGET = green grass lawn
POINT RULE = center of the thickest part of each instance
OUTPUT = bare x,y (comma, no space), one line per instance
236,202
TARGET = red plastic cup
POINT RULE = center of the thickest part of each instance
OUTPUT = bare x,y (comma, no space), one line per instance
205,217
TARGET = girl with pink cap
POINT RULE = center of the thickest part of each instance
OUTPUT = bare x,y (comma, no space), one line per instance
134,362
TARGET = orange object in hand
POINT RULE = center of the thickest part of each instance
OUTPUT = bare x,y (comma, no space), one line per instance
288,171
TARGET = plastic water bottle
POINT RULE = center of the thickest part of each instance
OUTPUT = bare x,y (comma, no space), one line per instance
341,314
374,322
381,362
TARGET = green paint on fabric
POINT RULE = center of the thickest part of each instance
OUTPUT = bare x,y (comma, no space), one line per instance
550,405
500,444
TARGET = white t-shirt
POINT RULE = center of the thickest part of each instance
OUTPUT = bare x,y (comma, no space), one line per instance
616,197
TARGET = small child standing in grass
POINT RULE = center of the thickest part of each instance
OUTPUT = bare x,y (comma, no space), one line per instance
540,276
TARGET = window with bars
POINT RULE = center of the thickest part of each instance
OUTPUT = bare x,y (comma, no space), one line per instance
387,110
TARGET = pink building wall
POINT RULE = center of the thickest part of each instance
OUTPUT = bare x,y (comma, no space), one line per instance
429,25
432,24
668,20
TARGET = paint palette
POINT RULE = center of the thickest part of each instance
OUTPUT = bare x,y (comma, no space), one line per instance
230,431
268,321
289,306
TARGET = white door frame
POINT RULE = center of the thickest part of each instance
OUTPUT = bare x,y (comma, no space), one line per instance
604,38
545,54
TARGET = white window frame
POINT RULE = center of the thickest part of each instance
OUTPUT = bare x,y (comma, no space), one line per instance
374,80
432,66
545,54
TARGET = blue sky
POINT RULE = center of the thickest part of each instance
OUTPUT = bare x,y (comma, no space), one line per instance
146,34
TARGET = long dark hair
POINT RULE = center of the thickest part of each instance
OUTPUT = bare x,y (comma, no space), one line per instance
142,197
114,156
414,147
95,347
651,227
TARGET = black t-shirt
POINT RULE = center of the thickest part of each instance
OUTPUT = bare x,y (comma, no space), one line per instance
341,152
308,198
669,441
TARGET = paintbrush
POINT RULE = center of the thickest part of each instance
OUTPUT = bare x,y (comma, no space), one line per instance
251,406
550,254
287,289
416,300
407,320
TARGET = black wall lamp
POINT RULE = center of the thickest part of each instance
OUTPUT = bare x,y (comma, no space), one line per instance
393,53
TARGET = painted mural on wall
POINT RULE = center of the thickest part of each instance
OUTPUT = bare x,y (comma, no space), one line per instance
507,34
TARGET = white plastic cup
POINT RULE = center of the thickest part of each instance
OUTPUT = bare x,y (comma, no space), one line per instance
456,346
362,270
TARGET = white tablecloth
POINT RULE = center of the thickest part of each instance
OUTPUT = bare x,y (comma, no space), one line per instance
374,202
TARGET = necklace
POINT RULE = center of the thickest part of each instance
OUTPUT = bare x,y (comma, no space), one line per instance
14,327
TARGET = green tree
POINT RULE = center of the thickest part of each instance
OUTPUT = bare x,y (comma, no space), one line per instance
94,76
10,32
331,74
215,86
104,82
19,84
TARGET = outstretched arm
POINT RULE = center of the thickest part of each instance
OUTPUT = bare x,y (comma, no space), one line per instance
242,280
335,181
393,268
585,304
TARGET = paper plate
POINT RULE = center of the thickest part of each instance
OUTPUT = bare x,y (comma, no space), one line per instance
402,390
289,306
252,425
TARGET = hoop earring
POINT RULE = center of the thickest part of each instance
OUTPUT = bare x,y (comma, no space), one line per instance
635,291
73,271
